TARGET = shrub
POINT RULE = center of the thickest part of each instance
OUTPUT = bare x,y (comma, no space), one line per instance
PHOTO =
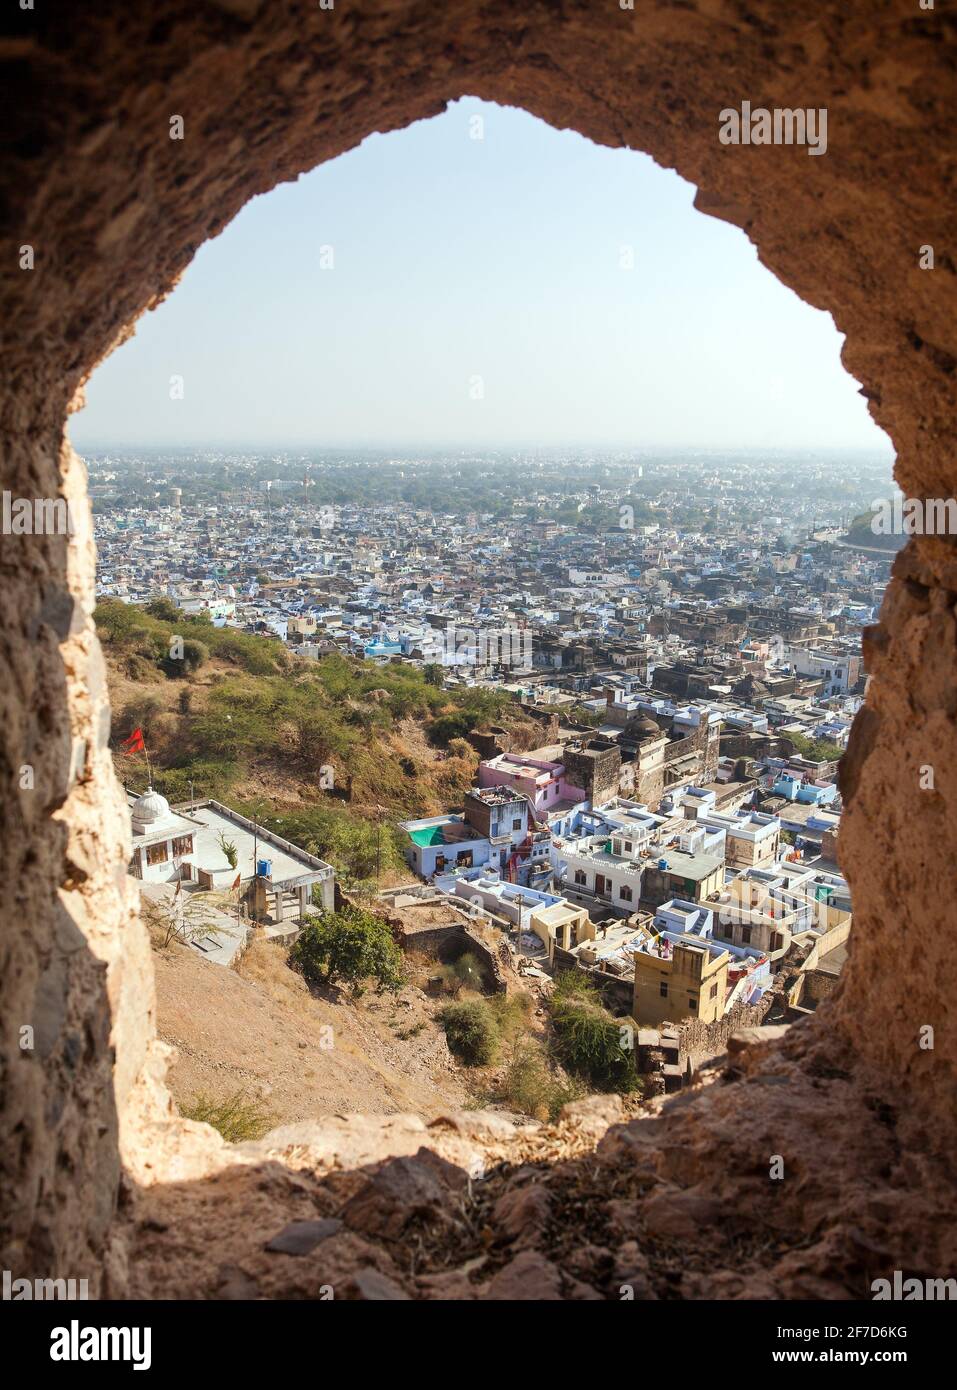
573,984
511,1013
236,1118
450,726
530,1087
350,945
586,1039
209,778
195,653
140,713
470,1032
464,973
355,847
164,609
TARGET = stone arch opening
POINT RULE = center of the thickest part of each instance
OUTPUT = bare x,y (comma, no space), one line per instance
111,210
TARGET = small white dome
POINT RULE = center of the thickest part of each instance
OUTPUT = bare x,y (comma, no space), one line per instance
150,808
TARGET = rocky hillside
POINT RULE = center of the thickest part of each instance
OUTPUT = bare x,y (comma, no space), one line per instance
332,751
259,1033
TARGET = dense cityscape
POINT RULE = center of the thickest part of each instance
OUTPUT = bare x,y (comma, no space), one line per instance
676,638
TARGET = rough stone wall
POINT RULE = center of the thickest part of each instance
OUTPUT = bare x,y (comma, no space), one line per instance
114,210
454,940
818,986
75,959
596,769
705,742
701,1040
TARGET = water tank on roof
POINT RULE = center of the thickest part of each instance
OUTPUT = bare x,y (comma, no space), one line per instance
264,868
662,863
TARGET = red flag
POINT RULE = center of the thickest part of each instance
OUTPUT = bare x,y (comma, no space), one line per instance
134,744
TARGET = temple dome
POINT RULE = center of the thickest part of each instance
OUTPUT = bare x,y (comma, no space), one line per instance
150,809
642,729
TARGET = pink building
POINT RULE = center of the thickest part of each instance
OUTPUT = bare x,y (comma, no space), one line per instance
543,782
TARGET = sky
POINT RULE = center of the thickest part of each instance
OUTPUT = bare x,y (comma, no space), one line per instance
432,288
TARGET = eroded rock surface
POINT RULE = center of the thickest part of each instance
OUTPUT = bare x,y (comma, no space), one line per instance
724,1192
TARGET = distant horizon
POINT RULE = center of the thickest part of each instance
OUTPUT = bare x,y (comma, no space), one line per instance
877,449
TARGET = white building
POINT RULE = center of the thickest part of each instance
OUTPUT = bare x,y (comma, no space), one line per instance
188,844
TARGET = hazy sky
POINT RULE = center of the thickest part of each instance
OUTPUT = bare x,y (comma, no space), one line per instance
477,296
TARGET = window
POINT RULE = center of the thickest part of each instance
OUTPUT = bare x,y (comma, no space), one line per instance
183,844
663,987
157,854
628,846
693,1003
714,990
625,894
580,877
745,935
517,824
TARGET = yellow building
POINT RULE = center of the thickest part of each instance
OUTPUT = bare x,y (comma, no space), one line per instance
678,978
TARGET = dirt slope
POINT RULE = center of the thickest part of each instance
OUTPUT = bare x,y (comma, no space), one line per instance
260,1030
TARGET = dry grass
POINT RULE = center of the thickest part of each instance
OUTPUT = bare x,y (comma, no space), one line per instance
236,1118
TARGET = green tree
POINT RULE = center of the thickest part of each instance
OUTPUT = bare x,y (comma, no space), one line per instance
817,750
164,609
348,945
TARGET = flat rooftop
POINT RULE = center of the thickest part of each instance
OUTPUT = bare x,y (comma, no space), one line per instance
209,820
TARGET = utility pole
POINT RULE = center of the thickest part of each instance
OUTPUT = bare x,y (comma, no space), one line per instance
256,810
380,812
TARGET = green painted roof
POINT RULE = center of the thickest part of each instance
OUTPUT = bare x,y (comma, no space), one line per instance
430,835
